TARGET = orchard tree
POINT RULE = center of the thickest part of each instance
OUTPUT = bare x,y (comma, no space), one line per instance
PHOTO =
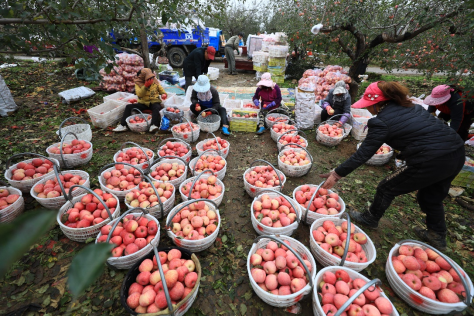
380,31
47,27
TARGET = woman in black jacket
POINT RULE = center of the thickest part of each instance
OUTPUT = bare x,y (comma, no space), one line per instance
434,155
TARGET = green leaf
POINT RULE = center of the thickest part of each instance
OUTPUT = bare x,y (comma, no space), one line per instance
224,239
87,266
243,309
17,237
42,289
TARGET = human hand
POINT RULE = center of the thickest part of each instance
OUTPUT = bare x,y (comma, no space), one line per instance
256,102
332,179
197,107
164,96
149,82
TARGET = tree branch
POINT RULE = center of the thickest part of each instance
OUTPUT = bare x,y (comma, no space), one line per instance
41,51
348,52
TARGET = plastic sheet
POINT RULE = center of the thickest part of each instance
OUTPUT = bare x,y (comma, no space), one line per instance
7,104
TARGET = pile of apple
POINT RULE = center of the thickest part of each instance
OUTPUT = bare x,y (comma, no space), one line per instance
132,233
51,188
185,128
146,197
140,119
336,288
134,156
173,149
246,114
297,139
76,146
250,105
282,128
132,100
173,110
204,188
278,271
89,211
211,144
262,176
121,179
146,295
384,149
333,131
274,119
428,273
211,162
332,239
168,171
323,203
6,199
274,212
37,168
194,222
294,158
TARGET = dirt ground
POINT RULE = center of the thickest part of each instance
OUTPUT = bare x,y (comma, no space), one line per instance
36,285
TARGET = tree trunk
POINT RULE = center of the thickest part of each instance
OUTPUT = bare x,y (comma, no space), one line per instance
144,43
357,68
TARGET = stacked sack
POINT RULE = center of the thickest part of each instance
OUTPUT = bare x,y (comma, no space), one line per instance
121,78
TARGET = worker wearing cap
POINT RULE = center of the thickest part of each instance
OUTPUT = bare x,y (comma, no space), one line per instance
231,45
197,63
434,155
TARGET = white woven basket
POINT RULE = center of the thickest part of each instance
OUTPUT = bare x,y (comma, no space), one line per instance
217,200
417,300
143,166
270,123
193,245
118,193
378,159
82,130
332,141
326,259
176,182
317,307
127,261
262,229
294,171
156,210
138,127
210,123
185,157
15,209
71,160
280,145
82,234
26,185
188,136
223,152
220,174
282,300
275,136
253,191
312,216
57,202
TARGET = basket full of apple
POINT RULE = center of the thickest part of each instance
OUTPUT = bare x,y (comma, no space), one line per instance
173,113
12,203
295,162
169,169
71,154
331,132
258,178
158,199
216,143
189,132
138,156
140,122
179,148
383,155
204,185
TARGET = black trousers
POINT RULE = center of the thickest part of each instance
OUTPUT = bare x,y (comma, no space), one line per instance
432,180
326,116
221,111
188,81
155,107
464,125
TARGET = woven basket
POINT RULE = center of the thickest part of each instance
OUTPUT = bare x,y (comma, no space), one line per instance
317,307
143,166
275,136
25,185
193,245
217,200
262,229
82,130
173,115
417,300
15,209
378,159
211,122
309,216
181,307
82,234
326,259
170,159
57,202
332,141
295,171
185,157
127,261
71,160
103,183
223,152
139,127
252,190
220,174
156,211
280,145
300,252
284,119
188,136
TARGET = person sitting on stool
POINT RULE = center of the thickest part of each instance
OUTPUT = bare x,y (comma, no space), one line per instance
338,101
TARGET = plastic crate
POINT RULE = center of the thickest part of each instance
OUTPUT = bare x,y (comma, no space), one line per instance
276,70
231,104
170,76
107,113
277,61
464,178
260,67
278,79
120,96
242,123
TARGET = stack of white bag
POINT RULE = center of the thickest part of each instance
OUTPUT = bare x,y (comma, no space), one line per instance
321,81
121,78
304,109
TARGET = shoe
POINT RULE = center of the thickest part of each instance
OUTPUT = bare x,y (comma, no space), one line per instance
120,128
225,131
364,218
153,128
234,74
435,239
261,130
